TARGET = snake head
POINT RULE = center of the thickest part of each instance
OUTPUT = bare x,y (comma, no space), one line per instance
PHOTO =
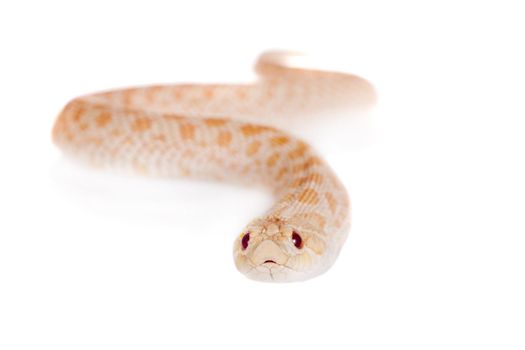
277,250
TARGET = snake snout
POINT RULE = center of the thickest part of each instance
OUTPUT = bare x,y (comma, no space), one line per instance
268,253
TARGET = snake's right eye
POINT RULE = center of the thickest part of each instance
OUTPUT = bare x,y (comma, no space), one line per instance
297,240
244,240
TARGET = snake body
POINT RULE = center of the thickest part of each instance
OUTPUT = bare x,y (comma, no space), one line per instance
211,131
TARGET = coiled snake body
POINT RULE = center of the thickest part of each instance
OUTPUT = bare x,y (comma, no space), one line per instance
206,131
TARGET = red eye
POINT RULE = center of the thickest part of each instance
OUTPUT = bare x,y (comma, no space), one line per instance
245,239
297,240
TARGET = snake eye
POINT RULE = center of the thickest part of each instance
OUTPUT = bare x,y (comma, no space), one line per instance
297,240
245,239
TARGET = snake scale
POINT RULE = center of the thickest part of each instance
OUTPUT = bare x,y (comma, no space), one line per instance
211,131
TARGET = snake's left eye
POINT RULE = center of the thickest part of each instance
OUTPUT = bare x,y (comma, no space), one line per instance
297,240
244,240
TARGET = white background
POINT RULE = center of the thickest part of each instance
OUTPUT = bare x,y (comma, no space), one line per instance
435,258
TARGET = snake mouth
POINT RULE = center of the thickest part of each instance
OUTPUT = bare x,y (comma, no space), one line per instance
269,262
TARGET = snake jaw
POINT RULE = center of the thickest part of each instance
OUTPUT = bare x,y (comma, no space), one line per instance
274,272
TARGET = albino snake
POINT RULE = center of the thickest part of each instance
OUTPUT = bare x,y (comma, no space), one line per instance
206,131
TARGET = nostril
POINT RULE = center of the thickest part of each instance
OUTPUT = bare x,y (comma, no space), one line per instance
269,261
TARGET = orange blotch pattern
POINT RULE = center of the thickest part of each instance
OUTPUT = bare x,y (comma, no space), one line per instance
308,196
214,122
78,114
281,173
253,148
208,93
279,141
83,126
299,151
311,178
103,119
272,160
250,130
187,131
306,165
224,138
141,125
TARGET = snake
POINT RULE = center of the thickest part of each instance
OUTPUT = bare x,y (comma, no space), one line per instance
217,132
